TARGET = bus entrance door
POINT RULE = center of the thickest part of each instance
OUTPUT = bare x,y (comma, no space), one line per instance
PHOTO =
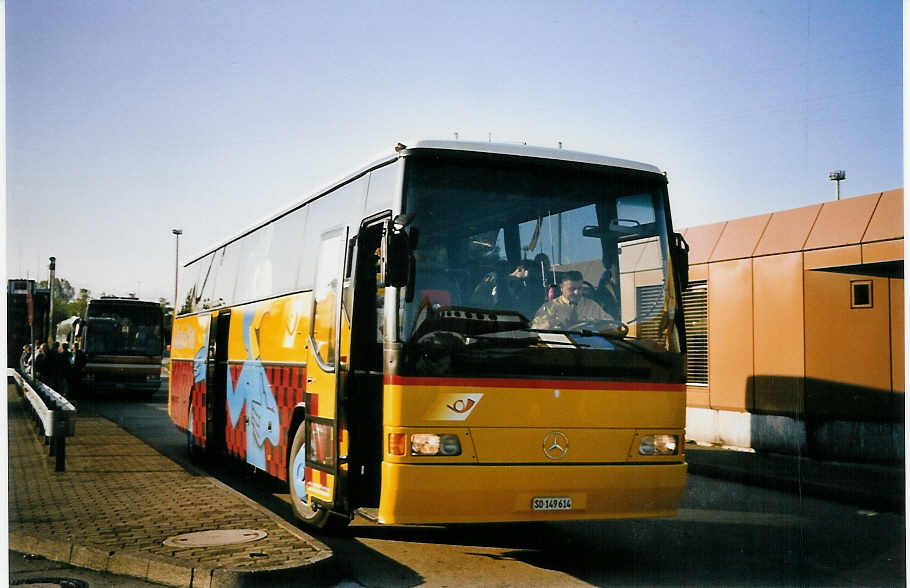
320,444
216,381
362,397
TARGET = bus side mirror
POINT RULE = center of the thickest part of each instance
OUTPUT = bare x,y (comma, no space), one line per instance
396,256
681,260
592,231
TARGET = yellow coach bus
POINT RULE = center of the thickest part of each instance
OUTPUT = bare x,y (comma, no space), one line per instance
459,332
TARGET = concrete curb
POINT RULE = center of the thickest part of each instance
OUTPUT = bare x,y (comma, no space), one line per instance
319,571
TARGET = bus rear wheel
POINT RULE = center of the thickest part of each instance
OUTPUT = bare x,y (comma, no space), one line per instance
318,518
193,450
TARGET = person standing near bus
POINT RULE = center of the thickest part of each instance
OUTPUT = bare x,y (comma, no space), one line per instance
52,366
25,361
63,368
73,369
41,368
78,362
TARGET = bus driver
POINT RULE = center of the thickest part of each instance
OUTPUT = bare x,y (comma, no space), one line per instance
571,308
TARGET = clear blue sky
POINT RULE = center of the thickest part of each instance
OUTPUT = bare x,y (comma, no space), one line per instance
128,118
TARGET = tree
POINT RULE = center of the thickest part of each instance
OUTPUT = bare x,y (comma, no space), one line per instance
63,290
63,297
77,307
168,317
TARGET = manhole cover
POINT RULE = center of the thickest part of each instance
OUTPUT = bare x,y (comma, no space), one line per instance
216,537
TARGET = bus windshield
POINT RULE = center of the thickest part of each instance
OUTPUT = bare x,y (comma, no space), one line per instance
556,269
123,330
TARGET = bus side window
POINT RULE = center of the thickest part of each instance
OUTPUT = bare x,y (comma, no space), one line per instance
384,185
325,296
187,301
341,206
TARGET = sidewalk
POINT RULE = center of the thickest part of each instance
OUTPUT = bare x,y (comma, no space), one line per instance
879,487
119,500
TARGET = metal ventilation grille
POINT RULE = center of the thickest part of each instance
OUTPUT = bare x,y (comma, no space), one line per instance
649,302
695,309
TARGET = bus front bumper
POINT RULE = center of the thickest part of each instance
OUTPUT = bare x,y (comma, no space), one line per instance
505,493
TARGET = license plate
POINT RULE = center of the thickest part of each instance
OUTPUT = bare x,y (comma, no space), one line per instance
551,503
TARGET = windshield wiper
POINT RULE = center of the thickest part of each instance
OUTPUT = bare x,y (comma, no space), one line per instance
617,339
523,338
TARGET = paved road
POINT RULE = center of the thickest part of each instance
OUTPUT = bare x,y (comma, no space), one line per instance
30,570
725,534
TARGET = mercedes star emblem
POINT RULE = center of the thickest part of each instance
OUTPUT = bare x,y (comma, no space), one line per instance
555,445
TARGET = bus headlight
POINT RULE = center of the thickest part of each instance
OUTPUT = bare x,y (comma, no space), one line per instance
430,444
658,445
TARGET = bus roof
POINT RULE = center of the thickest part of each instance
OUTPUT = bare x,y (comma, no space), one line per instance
522,150
118,301
401,150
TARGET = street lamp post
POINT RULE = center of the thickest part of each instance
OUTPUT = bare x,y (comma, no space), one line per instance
836,176
176,233
50,313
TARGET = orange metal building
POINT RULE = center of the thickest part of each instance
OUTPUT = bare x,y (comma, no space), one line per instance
795,326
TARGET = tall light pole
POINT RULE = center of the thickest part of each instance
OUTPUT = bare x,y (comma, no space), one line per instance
177,233
836,176
50,313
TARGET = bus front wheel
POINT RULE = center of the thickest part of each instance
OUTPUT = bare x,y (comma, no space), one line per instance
319,518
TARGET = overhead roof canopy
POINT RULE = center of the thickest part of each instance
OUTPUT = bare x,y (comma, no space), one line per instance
861,220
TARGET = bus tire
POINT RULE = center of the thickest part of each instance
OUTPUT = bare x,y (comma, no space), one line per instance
194,452
320,518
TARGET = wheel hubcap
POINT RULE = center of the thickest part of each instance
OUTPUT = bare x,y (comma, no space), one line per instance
299,476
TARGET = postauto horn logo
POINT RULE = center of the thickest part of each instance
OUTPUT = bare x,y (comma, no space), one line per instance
453,407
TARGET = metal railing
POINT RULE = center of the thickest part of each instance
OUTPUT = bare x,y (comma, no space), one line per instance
54,415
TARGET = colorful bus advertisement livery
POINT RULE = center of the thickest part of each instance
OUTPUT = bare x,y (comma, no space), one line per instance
459,332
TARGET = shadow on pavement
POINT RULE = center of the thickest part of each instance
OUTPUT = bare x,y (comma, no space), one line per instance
875,486
725,534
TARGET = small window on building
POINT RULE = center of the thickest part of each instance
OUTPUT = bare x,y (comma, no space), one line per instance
861,294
